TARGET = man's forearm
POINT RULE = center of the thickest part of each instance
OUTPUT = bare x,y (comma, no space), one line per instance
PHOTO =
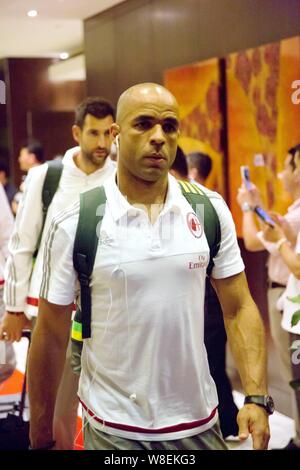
246,338
252,243
18,271
46,362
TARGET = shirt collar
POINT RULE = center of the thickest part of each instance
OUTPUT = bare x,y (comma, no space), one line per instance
68,159
119,206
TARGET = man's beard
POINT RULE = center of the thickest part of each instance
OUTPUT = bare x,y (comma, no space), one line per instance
97,160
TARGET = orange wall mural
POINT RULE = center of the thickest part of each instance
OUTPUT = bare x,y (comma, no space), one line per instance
197,89
263,122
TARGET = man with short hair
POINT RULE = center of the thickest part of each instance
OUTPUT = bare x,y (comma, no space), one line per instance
31,155
9,188
199,166
84,167
145,381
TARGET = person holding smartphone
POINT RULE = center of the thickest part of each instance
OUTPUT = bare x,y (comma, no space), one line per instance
278,271
291,257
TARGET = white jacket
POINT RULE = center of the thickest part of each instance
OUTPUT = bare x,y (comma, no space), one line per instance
6,228
22,280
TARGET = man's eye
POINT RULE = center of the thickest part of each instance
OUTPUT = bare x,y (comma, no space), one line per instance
143,125
169,127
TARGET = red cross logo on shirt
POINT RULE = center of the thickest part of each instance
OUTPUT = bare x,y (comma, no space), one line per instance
194,225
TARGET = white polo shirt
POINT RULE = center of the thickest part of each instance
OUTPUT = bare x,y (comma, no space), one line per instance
145,373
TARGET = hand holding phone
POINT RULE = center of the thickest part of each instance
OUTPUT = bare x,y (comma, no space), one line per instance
264,216
245,174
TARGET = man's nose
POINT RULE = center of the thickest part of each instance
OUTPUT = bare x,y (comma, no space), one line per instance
158,136
101,140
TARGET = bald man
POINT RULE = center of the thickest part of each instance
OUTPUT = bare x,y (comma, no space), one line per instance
145,381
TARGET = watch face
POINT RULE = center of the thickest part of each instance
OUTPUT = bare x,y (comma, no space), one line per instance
270,404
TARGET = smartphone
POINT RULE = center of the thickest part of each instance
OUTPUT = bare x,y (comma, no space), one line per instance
264,216
245,174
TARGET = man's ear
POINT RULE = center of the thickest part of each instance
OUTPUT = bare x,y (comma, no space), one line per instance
76,132
32,158
114,130
296,175
297,163
193,173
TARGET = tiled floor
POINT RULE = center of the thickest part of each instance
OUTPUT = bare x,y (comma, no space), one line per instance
282,427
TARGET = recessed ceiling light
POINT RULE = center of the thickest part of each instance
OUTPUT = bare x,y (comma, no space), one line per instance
32,13
63,55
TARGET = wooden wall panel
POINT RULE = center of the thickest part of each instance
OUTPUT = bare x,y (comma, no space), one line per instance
29,91
138,39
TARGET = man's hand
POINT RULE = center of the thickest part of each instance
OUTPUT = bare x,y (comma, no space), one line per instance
253,419
12,326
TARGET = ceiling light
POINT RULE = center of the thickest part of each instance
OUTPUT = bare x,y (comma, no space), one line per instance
63,55
32,13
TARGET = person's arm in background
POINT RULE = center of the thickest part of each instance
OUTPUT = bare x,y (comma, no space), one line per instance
46,361
246,339
283,234
52,331
21,247
247,200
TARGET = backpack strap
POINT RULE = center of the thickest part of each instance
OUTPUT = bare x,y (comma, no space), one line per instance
205,211
91,213
51,182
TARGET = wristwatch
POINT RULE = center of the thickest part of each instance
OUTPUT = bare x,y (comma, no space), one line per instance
246,207
266,401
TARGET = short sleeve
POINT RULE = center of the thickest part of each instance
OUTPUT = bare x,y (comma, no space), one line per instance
228,261
59,276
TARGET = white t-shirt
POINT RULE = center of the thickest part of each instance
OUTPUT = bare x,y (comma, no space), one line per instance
289,308
23,281
145,373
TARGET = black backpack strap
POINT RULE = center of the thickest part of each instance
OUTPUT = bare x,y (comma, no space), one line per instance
205,211
91,213
51,182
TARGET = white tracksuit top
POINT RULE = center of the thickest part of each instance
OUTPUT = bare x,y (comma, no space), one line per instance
22,280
